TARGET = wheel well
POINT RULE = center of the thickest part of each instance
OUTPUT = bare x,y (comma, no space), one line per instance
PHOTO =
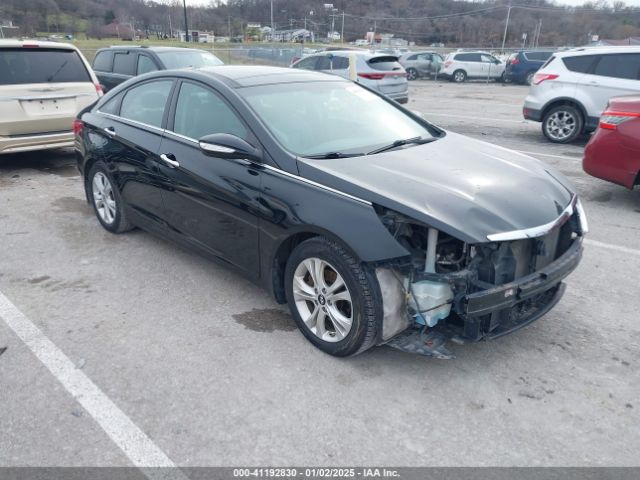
280,262
87,168
637,180
557,103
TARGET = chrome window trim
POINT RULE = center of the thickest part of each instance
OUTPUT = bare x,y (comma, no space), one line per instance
538,231
183,137
315,184
133,123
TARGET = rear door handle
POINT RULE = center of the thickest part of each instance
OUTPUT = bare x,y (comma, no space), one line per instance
170,160
110,131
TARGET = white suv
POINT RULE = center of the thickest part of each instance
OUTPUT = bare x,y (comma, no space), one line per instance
571,90
461,66
43,85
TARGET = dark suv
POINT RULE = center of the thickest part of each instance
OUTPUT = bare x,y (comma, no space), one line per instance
523,65
115,65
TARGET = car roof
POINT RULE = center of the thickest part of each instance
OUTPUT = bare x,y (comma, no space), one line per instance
10,43
360,53
238,76
150,48
599,50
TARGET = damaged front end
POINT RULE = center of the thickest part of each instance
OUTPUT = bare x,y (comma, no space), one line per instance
451,289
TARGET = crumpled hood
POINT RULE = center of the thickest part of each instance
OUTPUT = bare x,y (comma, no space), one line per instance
464,187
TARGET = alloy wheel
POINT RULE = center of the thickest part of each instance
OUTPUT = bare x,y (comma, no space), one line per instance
103,198
561,125
459,76
412,74
323,300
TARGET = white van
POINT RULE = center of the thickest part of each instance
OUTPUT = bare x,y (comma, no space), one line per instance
43,85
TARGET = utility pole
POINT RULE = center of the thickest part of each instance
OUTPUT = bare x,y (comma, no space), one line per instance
170,29
506,26
342,30
186,25
273,30
229,23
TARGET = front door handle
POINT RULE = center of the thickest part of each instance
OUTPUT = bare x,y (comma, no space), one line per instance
170,160
110,131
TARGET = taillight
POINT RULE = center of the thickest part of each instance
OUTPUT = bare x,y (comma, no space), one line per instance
538,78
372,76
77,127
610,120
30,45
99,89
514,61
448,63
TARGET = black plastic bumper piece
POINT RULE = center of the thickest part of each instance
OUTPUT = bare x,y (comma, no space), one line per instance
508,295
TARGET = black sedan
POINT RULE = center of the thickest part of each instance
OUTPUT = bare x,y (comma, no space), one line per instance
375,226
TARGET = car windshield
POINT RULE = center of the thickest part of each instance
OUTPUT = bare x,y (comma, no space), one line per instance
331,118
193,58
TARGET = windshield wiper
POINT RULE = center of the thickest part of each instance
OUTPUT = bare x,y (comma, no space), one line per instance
400,143
51,77
334,155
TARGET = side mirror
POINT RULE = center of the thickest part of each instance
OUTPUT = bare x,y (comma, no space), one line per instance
225,145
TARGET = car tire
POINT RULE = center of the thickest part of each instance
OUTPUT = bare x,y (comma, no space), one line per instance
106,200
562,124
334,299
412,74
528,79
459,76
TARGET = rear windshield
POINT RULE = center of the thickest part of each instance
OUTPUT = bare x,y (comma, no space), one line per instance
385,63
41,65
193,58
539,56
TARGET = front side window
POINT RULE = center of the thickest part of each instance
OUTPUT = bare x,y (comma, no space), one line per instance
315,118
41,65
200,112
146,103
308,63
625,65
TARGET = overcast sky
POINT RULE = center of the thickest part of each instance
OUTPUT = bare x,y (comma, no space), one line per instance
633,3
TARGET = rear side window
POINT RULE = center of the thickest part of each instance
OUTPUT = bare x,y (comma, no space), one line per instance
386,64
468,57
145,65
40,65
339,63
580,64
626,65
102,62
124,63
323,63
146,103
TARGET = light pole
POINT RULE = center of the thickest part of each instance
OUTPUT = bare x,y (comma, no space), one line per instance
186,26
506,26
273,30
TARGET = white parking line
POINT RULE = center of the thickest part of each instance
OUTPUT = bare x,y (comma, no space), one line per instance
466,117
125,434
617,248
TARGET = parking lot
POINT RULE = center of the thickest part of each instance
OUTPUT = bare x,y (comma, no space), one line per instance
193,364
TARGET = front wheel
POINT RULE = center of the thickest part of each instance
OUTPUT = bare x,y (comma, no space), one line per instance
562,124
334,299
459,76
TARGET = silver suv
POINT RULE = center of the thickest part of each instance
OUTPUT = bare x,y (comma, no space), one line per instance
380,72
571,90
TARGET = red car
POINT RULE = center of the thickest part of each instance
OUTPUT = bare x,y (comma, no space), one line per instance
613,153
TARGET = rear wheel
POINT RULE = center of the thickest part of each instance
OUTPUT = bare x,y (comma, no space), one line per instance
334,299
562,124
412,74
106,200
459,76
529,78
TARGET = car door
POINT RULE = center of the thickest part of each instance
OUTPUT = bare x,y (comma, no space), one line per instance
491,67
124,67
612,75
102,65
423,64
132,128
146,64
211,203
